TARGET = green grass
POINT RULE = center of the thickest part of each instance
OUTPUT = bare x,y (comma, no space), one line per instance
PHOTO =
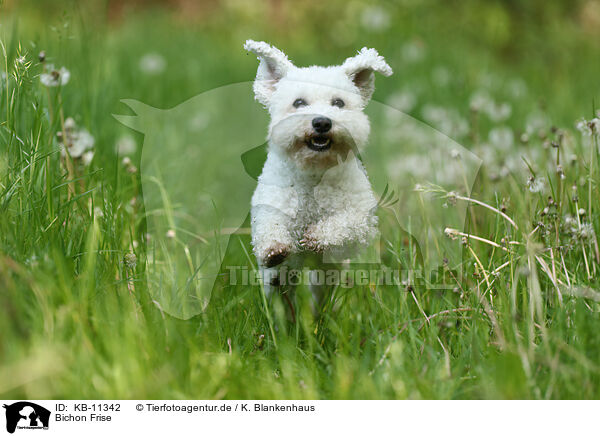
77,316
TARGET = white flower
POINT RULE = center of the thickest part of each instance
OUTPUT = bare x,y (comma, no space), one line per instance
78,141
375,18
586,231
480,101
582,127
403,101
70,124
152,63
535,184
589,128
501,137
441,76
448,121
413,51
499,112
536,122
517,88
199,121
125,145
87,157
53,77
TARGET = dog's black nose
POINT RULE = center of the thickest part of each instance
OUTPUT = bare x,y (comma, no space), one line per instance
321,124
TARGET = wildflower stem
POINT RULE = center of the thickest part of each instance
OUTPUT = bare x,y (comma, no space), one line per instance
593,146
487,206
485,274
487,308
562,259
585,259
68,159
453,232
551,276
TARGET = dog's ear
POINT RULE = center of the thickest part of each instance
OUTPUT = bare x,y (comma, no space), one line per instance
274,64
360,69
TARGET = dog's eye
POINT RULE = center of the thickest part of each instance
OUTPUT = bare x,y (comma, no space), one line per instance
338,102
299,102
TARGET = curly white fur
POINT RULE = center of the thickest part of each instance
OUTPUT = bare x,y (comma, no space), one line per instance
309,200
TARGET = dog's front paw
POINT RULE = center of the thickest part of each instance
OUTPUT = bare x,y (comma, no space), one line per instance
311,241
275,254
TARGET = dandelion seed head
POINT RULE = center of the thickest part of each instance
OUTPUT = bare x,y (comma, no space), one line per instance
441,76
403,101
375,18
499,112
413,51
451,233
55,77
535,184
586,231
152,63
87,157
77,141
199,121
517,88
536,123
451,198
448,121
125,145
480,101
501,137
70,124
588,128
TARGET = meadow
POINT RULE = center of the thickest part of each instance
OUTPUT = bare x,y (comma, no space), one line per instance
514,83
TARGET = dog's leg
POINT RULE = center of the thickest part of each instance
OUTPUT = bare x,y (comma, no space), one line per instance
341,229
270,279
271,238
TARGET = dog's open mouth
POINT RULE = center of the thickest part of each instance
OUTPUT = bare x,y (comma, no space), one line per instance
319,143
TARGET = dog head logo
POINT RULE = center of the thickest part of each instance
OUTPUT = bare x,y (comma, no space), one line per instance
26,415
200,161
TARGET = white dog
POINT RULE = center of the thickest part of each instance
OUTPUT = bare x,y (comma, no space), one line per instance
313,194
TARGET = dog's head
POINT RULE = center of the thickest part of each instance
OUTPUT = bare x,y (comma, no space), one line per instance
316,112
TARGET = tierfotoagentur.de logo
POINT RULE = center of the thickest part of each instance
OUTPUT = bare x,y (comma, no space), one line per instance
25,415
